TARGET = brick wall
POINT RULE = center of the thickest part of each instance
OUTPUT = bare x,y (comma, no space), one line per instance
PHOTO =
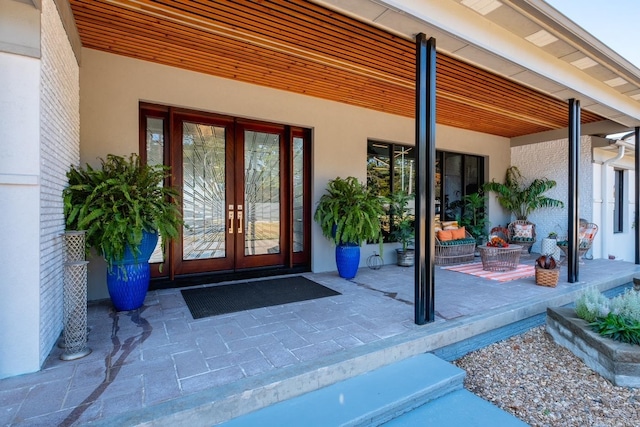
550,160
59,148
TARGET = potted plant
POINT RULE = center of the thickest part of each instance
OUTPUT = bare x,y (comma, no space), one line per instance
521,199
123,207
349,214
403,230
547,271
473,216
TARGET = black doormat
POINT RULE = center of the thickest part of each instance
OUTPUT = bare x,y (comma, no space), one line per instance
214,300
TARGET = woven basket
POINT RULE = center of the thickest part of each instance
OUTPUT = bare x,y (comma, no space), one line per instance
545,277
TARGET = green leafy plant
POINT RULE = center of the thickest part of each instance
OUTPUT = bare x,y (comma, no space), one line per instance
618,328
349,212
617,318
403,231
522,200
116,202
473,216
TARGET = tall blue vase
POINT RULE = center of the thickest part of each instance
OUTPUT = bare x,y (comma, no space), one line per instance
128,279
348,260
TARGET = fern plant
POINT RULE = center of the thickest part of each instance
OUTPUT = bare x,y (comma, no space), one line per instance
349,212
117,202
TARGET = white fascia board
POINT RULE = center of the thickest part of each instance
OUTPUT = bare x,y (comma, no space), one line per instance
468,25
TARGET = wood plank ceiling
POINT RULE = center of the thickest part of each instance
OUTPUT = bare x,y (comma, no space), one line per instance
301,47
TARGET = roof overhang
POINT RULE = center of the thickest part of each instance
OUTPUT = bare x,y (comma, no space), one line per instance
489,78
526,41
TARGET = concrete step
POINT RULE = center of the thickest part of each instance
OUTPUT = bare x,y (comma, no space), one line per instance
369,399
459,408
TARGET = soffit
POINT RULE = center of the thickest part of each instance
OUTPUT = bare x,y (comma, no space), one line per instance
305,48
572,45
566,43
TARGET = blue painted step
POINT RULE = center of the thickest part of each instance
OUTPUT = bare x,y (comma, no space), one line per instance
371,398
460,408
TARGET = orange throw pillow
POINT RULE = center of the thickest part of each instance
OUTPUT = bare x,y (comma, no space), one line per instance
458,234
445,235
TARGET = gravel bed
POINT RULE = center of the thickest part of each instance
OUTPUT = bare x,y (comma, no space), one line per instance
544,384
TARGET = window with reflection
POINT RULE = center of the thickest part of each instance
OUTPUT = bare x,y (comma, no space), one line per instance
391,168
457,175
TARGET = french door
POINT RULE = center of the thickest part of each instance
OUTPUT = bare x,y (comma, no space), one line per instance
244,193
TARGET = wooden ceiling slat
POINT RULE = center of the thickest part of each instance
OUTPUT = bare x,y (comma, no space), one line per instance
314,36
344,83
182,57
302,47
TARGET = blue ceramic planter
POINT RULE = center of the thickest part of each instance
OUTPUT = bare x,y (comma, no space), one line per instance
128,280
348,260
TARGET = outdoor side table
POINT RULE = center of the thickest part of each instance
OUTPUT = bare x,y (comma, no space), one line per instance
500,259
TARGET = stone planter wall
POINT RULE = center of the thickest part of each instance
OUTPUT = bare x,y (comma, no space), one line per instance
618,362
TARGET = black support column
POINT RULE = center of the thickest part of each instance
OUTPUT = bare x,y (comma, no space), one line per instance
636,214
574,217
425,178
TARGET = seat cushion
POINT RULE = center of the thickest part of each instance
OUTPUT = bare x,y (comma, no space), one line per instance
457,242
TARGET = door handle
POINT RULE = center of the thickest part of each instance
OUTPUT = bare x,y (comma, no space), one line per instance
240,225
230,222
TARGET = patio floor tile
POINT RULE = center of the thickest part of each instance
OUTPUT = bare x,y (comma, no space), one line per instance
161,353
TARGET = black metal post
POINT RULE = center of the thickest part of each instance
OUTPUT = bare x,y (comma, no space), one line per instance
636,214
574,218
425,177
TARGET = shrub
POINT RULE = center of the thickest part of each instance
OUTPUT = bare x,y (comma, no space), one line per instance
618,318
618,328
591,305
627,305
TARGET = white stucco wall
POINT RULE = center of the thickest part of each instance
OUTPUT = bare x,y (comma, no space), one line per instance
618,245
19,216
550,160
112,86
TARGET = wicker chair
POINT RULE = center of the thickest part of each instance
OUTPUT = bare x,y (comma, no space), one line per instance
586,234
455,251
518,231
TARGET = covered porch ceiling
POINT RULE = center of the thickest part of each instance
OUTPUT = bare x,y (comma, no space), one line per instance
306,48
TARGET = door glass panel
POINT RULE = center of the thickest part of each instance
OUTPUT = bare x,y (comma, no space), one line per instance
298,195
155,156
261,193
203,191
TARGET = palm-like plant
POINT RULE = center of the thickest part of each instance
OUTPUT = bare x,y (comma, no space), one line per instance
403,220
519,199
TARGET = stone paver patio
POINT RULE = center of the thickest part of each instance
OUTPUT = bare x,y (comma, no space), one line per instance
160,361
